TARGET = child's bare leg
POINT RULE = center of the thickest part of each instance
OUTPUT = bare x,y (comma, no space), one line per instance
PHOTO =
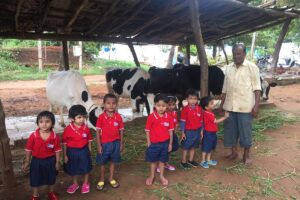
102,172
35,191
111,171
51,188
203,156
150,179
163,180
208,156
86,179
192,153
184,154
75,181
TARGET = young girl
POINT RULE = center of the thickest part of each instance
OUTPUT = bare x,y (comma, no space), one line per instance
43,147
159,130
210,129
77,147
110,129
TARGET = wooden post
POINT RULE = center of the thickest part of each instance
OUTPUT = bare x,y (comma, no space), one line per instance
214,54
188,53
80,57
279,42
6,166
40,55
65,55
221,43
195,23
135,58
252,45
171,56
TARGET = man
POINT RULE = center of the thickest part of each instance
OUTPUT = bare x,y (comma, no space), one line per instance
241,94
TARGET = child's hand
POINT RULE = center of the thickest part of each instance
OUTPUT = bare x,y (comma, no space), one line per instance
183,137
170,148
148,144
57,165
201,135
226,114
122,147
66,159
100,150
25,166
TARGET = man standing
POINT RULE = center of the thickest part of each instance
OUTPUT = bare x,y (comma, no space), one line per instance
241,95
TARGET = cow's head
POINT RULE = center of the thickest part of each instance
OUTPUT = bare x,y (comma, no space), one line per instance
265,89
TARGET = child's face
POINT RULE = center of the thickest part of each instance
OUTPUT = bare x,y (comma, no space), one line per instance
210,105
45,124
171,106
79,119
110,105
192,100
160,107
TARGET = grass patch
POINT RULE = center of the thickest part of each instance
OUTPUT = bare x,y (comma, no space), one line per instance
239,168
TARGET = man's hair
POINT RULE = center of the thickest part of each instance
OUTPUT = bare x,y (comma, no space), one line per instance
109,95
205,101
46,114
160,97
76,110
191,92
239,45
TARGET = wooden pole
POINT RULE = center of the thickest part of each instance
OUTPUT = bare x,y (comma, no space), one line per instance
279,42
214,54
40,55
65,55
195,23
135,58
6,166
171,56
252,45
188,53
80,57
223,49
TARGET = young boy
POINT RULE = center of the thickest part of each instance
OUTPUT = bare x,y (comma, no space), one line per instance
209,140
109,137
159,131
191,123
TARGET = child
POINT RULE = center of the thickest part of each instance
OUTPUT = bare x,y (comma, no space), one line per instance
191,123
43,147
77,147
209,141
110,130
159,131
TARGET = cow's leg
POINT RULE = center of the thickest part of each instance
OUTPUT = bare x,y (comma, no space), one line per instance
61,114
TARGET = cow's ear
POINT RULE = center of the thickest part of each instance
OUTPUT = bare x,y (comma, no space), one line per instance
273,84
84,96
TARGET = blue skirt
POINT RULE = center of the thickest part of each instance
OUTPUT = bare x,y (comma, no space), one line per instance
79,161
42,171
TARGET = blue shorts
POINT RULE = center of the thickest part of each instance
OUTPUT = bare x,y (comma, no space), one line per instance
175,144
192,139
209,141
110,153
79,162
158,152
42,171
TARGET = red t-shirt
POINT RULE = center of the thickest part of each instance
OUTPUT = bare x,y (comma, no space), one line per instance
40,148
75,137
109,127
192,117
174,116
209,121
159,127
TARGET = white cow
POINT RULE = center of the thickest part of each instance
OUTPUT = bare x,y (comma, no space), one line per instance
67,88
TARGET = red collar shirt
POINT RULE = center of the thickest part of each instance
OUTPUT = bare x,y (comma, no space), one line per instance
110,127
174,116
159,127
75,137
192,117
209,121
43,148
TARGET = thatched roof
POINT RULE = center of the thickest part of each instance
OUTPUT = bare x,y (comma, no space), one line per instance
141,21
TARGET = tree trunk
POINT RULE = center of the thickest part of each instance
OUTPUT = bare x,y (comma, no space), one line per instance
40,55
195,23
214,55
252,45
223,49
279,42
171,56
65,55
135,58
6,166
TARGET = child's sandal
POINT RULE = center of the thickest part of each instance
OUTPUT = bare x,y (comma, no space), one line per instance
114,184
100,185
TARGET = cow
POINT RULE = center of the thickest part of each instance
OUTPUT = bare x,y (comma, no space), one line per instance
265,88
131,83
67,88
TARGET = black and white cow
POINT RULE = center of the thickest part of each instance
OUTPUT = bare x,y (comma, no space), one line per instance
131,83
265,88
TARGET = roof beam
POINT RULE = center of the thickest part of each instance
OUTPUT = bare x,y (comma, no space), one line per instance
45,14
83,4
19,6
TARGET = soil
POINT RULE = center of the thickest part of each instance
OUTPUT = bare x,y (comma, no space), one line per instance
273,175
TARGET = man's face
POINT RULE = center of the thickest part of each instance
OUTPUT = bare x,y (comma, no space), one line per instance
238,55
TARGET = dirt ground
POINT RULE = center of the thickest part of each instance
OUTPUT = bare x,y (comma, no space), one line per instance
273,175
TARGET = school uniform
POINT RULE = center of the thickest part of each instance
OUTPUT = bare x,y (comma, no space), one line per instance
42,166
159,131
109,127
175,144
192,120
79,156
209,141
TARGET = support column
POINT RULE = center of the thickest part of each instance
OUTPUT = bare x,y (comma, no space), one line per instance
65,55
40,55
252,45
80,57
221,43
195,23
135,58
188,53
279,42
214,54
